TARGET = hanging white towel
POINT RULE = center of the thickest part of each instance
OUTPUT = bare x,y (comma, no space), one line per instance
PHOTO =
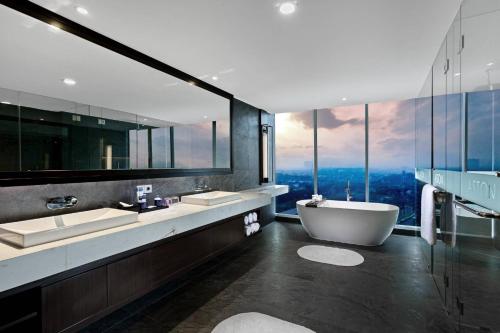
427,218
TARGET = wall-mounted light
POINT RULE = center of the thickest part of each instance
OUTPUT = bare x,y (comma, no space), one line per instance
265,155
266,148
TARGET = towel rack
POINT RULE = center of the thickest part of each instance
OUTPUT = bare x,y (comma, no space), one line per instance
440,196
487,215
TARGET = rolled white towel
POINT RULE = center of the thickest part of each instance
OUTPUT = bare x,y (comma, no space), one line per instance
255,217
257,227
250,218
254,227
247,220
248,230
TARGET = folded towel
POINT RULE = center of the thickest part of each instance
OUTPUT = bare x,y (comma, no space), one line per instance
257,226
248,230
255,217
312,203
427,218
250,218
247,221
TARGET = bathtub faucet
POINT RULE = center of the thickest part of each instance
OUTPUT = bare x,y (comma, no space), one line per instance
348,191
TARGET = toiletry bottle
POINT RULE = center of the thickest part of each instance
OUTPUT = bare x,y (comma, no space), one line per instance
158,201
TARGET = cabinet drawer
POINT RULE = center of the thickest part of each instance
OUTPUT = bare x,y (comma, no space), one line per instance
227,234
20,312
173,257
70,301
129,277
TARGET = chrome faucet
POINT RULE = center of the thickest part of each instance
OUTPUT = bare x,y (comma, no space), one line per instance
61,202
348,191
201,187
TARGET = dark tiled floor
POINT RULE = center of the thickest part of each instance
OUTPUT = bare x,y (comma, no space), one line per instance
389,292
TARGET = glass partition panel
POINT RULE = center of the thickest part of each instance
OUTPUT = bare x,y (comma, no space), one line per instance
222,144
160,148
454,98
54,133
193,146
341,152
423,126
109,140
9,130
439,101
480,79
392,156
294,158
481,114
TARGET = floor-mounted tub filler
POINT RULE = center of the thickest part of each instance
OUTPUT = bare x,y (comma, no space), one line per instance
360,223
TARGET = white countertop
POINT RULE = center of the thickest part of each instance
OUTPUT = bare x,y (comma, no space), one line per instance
20,266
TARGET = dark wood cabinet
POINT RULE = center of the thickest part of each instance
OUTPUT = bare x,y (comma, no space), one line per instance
227,234
70,301
182,254
73,299
20,312
129,277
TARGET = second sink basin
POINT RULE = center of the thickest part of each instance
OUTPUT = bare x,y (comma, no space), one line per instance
210,198
48,229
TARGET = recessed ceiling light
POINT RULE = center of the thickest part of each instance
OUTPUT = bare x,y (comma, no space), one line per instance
145,119
205,117
490,64
82,10
344,99
69,82
5,102
287,8
41,119
457,74
215,78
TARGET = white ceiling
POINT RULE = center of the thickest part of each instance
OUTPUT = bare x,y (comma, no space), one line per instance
364,50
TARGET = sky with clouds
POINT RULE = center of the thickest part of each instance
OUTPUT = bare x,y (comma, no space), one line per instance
341,137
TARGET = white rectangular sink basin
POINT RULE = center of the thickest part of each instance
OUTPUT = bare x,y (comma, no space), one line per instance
48,229
210,198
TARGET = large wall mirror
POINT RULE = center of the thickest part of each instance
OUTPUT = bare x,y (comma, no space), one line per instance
70,107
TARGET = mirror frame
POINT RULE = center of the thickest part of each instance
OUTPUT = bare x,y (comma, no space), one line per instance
18,178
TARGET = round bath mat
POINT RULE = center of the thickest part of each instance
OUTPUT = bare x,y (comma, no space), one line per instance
252,322
330,255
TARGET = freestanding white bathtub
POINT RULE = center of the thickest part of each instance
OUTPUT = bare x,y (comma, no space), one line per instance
360,223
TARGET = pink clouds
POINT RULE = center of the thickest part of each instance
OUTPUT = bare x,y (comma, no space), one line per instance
341,136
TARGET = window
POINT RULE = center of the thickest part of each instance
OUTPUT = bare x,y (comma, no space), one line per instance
341,152
392,156
294,158
341,155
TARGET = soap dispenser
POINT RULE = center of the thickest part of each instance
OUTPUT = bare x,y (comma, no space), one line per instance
141,198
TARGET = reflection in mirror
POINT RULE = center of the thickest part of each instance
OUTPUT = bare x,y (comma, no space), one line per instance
68,104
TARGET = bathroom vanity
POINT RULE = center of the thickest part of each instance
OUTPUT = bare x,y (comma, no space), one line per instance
64,285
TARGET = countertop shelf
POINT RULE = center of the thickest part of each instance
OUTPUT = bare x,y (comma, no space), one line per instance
20,266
